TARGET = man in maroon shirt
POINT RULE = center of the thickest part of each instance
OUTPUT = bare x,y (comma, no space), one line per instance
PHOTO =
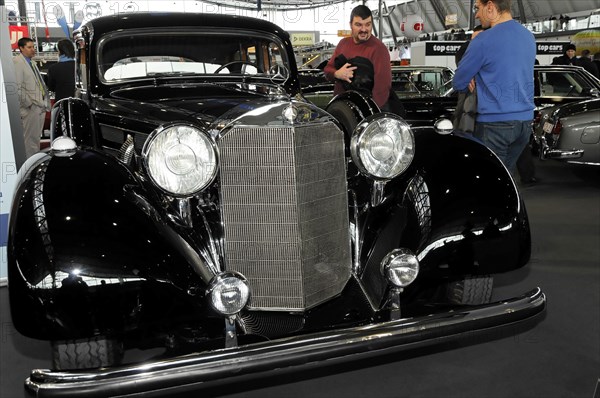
363,44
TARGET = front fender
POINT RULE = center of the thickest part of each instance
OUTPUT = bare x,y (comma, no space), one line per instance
468,216
77,236
72,117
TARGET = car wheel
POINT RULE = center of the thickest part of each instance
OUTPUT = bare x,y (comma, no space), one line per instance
86,353
471,290
342,111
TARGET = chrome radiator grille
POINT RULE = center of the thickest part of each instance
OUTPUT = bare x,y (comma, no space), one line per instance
285,211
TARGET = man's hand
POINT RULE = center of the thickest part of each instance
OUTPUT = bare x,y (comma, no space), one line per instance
345,73
472,85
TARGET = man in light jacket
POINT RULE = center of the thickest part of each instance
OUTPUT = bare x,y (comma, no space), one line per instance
33,96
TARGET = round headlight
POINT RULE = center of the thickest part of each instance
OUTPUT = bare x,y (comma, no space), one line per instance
180,159
400,267
229,293
382,146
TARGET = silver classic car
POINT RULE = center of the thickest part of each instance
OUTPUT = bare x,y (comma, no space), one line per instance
557,85
572,133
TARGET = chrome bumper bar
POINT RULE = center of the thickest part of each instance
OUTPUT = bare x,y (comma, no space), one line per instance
189,372
549,153
560,154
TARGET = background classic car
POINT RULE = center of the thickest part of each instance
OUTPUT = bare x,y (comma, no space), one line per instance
556,85
572,133
193,200
425,91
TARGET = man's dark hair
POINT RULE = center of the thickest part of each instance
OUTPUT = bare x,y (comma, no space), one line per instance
502,5
361,11
65,47
23,41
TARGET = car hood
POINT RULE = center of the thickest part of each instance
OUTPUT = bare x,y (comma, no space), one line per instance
195,103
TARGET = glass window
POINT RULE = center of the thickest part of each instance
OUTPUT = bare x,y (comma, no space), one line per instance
421,82
563,84
172,54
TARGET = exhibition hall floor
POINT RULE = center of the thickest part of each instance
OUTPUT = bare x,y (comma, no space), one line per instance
557,358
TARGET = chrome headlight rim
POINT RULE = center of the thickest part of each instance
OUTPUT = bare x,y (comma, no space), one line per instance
397,274
164,129
218,281
360,140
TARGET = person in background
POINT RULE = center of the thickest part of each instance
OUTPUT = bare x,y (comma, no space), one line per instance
596,60
585,61
61,76
568,57
361,44
33,95
525,165
501,62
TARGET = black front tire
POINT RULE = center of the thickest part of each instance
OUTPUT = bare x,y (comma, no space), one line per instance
86,353
343,112
472,290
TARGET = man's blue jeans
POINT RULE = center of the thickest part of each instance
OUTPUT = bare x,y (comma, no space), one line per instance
506,139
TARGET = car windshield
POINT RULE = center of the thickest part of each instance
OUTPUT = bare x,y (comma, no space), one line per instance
421,82
154,54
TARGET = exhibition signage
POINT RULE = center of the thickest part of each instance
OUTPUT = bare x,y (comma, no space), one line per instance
551,47
302,39
15,33
9,174
10,123
442,48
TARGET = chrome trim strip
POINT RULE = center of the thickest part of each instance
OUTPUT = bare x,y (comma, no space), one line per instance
560,154
195,370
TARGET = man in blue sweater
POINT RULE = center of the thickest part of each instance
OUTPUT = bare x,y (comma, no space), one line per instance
499,65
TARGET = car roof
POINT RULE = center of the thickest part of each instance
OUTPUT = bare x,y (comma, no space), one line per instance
145,20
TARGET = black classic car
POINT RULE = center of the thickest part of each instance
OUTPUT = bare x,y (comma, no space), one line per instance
194,202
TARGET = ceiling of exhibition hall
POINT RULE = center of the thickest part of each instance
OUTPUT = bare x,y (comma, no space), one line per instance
533,9
326,16
434,13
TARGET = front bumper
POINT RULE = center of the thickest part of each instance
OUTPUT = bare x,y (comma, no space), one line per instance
189,372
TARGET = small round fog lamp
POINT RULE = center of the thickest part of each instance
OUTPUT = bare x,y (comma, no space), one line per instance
400,267
443,126
62,143
229,293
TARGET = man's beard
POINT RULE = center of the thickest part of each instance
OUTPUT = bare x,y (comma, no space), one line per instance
363,37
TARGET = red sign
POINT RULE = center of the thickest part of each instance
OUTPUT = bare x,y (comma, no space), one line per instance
16,33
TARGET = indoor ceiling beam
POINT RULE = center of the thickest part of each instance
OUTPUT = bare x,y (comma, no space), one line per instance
388,15
522,16
438,12
426,16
